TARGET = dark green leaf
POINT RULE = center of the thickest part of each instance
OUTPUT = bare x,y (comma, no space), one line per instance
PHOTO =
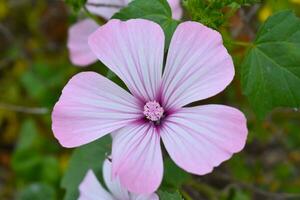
158,11
87,157
169,196
271,70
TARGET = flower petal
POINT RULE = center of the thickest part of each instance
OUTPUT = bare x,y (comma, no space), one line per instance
79,50
105,8
176,8
198,66
200,138
90,189
113,184
134,51
90,107
137,158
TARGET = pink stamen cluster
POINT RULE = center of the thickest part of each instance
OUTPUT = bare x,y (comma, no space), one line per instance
153,111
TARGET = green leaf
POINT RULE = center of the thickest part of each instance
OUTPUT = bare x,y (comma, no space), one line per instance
87,157
37,191
271,70
173,175
158,11
169,196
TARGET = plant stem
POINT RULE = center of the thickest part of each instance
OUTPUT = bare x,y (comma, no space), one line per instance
185,195
90,15
22,109
105,5
239,43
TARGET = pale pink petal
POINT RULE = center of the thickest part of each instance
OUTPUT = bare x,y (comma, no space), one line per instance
134,51
137,158
79,50
105,8
176,8
113,185
90,107
90,189
198,66
200,138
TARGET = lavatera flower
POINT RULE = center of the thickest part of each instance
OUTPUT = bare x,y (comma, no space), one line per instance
197,67
79,51
91,189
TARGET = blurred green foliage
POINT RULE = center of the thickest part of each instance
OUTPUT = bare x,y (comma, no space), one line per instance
214,13
169,196
76,4
37,191
34,67
31,161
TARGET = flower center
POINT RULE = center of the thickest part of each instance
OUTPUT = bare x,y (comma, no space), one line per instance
153,111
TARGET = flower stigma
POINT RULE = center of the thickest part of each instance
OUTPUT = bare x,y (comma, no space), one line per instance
153,111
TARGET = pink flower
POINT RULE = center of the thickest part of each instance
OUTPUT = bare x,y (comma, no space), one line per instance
197,67
79,51
91,189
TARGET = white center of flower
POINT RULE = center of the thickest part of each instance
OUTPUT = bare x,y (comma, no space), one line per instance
153,111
